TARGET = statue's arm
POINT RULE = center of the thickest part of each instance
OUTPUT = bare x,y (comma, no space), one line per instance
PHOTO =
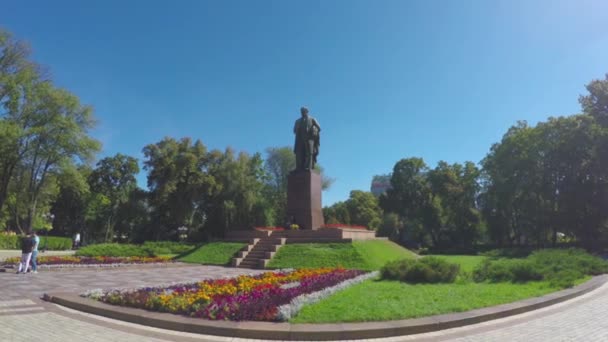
316,123
295,127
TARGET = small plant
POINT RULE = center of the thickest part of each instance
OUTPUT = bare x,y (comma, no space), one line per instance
294,226
423,270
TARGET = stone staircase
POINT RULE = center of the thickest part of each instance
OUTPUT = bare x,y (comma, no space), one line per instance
258,252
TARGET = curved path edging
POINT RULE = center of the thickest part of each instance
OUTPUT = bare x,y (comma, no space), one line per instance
320,332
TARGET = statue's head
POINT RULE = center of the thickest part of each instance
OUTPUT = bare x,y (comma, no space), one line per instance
304,112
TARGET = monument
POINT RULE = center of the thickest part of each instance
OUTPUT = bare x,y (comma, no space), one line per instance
304,183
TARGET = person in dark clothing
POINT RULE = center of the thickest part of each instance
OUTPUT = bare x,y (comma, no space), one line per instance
27,245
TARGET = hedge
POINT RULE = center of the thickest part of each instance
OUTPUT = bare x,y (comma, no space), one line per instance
54,242
148,249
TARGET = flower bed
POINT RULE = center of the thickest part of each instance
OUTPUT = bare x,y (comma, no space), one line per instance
339,225
101,260
256,298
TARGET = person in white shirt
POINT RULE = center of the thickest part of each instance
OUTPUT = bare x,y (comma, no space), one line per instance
76,240
36,242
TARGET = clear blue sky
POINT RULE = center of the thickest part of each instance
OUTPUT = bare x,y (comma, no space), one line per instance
441,80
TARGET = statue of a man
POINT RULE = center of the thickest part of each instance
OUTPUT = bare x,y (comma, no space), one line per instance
306,147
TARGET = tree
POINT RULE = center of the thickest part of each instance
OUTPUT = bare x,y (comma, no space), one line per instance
43,130
364,209
112,181
179,184
70,206
596,102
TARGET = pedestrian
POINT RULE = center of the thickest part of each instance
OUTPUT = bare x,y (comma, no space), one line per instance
35,242
26,253
76,240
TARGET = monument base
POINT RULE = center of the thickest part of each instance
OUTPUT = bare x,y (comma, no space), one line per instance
304,199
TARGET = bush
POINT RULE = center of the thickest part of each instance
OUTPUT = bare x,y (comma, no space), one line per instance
10,242
515,252
55,243
423,270
114,250
167,247
560,267
506,270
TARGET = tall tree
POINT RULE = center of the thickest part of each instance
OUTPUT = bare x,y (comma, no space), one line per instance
114,180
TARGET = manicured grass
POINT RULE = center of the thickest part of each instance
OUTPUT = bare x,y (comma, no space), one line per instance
378,252
214,253
467,262
307,255
363,255
375,300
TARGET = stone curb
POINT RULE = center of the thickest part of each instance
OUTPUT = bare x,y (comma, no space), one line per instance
319,332
100,267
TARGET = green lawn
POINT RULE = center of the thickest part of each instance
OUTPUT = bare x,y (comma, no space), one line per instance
364,255
467,262
377,253
375,300
214,253
379,300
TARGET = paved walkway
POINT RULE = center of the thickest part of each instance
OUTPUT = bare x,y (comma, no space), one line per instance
24,317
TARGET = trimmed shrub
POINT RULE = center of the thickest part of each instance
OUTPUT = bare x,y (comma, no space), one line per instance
55,243
167,247
114,250
515,252
9,242
561,267
423,270
514,270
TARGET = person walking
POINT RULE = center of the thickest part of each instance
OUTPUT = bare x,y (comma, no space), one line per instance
76,241
26,253
36,243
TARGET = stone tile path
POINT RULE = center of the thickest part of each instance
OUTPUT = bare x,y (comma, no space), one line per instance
24,317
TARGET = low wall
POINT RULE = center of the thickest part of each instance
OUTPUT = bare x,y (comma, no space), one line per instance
346,234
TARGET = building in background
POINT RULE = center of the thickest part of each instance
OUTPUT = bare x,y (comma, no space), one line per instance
380,184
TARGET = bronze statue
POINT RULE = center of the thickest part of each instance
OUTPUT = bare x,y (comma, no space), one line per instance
306,147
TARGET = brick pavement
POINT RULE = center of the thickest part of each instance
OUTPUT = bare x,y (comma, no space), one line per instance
23,317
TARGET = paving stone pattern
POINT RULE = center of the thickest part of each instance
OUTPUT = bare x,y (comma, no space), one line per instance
24,317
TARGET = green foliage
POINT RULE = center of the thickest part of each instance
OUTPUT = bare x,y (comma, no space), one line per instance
562,268
10,242
214,253
467,262
361,208
423,270
55,243
114,250
436,204
167,247
514,270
